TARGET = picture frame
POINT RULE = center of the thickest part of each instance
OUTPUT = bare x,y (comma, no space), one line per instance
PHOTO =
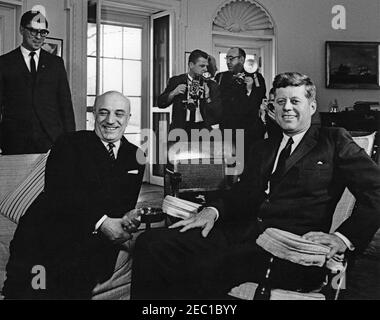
53,46
352,65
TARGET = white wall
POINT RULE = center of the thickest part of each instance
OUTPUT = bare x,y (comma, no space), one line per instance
302,26
56,18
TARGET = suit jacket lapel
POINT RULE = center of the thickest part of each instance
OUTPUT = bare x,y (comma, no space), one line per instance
19,60
268,157
98,151
307,143
42,65
125,153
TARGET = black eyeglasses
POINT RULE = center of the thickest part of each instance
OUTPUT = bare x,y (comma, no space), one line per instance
34,32
229,58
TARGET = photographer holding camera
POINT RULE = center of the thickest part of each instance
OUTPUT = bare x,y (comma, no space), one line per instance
268,116
242,94
195,98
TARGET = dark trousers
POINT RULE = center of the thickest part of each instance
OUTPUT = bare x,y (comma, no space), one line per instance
24,138
172,265
196,126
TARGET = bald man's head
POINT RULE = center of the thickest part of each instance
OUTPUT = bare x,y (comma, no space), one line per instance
112,113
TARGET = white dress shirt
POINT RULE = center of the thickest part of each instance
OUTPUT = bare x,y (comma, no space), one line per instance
25,53
115,151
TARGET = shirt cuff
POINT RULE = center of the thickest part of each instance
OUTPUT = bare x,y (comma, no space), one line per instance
216,211
99,223
347,242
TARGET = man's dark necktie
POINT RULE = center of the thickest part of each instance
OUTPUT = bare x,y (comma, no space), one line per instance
33,69
110,151
192,115
284,155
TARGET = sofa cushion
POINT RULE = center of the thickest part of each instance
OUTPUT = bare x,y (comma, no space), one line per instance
7,229
17,201
14,169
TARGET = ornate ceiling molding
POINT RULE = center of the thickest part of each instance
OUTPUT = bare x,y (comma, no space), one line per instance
242,16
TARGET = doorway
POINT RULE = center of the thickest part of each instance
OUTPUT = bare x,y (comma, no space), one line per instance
8,27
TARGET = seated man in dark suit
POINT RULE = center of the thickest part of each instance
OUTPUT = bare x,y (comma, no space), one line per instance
196,101
292,182
74,228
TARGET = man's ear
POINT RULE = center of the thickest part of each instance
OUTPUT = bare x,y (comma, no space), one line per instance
21,29
129,118
313,106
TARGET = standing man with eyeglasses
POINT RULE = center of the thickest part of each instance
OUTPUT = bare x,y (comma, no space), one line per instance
242,94
35,98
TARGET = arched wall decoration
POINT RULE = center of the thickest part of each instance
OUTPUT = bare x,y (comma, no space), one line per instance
241,16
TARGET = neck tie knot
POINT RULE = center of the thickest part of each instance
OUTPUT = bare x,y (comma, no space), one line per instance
32,53
110,150
289,143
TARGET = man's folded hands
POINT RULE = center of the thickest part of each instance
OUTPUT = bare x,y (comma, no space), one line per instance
335,243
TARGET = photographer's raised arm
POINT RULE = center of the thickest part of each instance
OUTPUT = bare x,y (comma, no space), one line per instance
173,88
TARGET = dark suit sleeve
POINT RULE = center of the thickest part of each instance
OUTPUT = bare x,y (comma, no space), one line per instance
218,78
214,108
71,207
163,98
263,88
66,106
362,177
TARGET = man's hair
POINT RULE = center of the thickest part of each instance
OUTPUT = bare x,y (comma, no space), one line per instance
241,52
196,54
30,16
296,79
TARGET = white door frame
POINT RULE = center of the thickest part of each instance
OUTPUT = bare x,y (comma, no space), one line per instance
152,140
10,10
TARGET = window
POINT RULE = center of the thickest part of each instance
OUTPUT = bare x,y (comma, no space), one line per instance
120,68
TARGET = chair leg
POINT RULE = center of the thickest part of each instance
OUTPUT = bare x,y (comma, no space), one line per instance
263,290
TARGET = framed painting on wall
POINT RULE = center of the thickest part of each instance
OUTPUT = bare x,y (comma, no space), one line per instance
53,46
352,65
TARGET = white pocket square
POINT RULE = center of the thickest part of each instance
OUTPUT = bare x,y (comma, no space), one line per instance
133,171
319,162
